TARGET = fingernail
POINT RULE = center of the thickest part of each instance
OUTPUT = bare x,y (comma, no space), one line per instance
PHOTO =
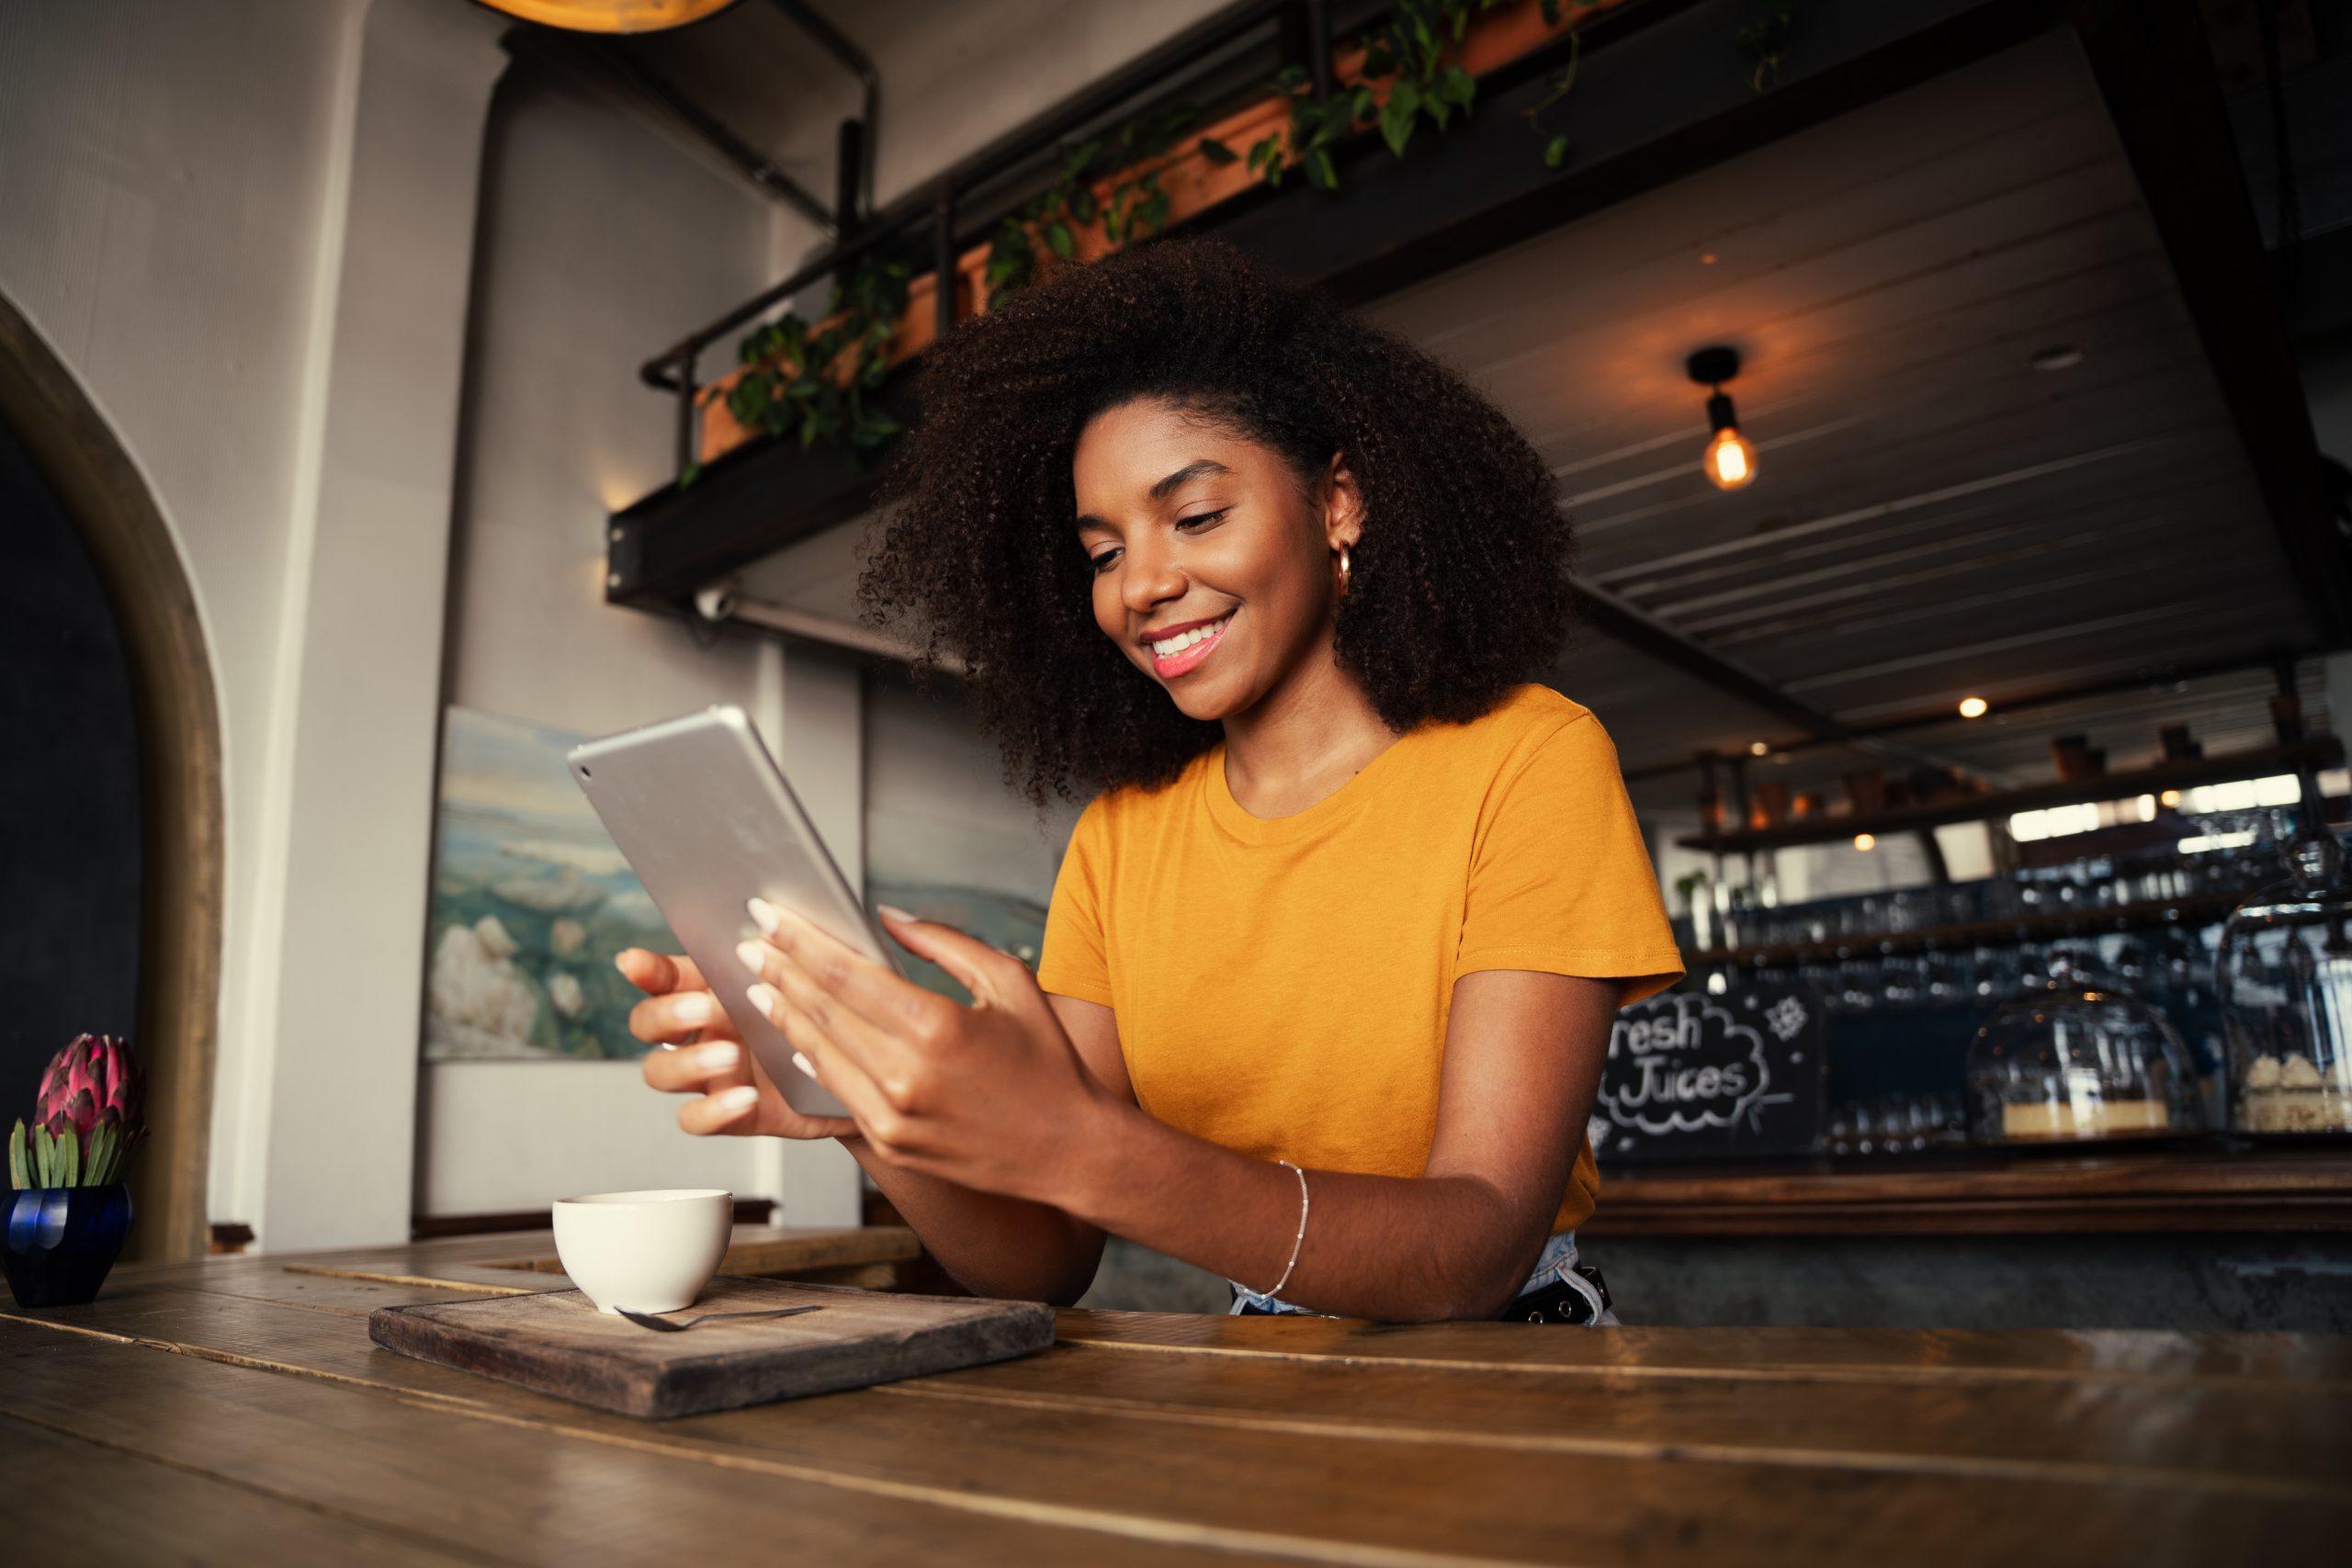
802,1063
762,914
763,997
718,1057
736,1100
752,953
618,965
893,911
700,1008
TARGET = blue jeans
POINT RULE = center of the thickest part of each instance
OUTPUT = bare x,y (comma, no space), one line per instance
1559,1289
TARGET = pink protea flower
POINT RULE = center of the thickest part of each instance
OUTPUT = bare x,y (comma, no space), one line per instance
96,1079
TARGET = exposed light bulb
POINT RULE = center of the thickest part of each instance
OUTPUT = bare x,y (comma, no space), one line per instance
1731,459
2170,797
1758,748
1866,841
1972,707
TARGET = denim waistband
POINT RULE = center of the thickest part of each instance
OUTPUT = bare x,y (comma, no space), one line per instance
1557,1259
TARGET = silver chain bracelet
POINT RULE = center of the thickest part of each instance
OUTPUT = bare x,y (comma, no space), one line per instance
1298,1240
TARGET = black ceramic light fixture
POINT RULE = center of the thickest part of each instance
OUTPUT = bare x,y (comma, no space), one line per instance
1730,457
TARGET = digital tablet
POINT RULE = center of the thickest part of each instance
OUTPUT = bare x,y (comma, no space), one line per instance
708,822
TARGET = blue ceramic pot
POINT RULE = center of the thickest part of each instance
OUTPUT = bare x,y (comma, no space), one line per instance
61,1241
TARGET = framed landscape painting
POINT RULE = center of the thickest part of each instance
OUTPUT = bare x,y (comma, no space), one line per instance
530,902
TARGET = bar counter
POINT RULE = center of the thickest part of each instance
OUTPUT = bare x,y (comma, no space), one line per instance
2204,1236
235,1410
2199,1187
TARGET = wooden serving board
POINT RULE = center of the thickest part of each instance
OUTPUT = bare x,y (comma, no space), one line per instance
557,1342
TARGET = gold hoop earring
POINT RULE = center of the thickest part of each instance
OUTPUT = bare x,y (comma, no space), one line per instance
1343,565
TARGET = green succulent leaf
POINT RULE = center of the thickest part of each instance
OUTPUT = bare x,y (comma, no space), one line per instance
69,1160
44,1158
95,1155
20,1174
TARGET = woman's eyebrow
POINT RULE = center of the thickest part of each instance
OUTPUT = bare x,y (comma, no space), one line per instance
1186,475
1198,467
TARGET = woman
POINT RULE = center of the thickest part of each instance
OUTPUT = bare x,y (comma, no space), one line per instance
1332,957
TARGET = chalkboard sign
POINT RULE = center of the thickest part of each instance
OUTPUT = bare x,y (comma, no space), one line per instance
1695,1076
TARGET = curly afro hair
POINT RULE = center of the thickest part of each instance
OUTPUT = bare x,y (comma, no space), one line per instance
1458,591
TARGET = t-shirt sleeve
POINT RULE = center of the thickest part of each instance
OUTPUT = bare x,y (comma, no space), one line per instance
1075,962
1561,881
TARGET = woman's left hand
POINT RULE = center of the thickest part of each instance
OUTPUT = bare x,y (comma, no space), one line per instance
992,1096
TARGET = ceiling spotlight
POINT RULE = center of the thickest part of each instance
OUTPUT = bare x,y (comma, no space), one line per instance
1972,707
2170,797
1758,748
1730,459
2057,357
1866,842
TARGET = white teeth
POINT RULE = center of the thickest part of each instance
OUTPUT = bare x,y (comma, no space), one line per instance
1168,646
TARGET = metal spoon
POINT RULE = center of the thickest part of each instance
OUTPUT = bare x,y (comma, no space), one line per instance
647,1320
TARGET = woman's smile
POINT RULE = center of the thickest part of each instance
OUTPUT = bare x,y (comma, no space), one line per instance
1183,648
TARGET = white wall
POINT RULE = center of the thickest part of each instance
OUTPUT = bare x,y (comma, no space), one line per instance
177,177
937,808
604,239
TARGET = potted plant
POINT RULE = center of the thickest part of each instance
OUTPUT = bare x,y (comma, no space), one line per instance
69,1211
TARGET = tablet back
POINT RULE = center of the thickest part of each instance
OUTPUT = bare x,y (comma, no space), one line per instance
708,823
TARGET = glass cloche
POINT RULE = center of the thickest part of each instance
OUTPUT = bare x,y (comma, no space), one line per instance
2284,973
2079,1060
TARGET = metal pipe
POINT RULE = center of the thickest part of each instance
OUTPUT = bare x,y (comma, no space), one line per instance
2052,696
848,636
848,158
830,38
760,171
943,261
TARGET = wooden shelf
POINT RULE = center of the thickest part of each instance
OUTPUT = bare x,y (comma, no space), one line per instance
2198,909
2323,751
2210,1186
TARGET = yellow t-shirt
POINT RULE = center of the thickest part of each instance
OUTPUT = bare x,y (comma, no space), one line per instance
1282,984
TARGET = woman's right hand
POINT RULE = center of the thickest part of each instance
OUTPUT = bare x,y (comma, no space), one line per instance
732,1095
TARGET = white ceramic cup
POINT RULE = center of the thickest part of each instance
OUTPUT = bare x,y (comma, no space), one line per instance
651,1251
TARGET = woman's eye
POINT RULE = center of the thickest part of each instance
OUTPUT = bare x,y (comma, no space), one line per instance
1203,519
1102,562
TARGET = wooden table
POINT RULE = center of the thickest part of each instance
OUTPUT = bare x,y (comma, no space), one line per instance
235,1410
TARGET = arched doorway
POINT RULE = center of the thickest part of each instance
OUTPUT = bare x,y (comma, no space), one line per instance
93,480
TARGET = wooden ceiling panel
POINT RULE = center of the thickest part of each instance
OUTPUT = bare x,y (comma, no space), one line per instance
1932,514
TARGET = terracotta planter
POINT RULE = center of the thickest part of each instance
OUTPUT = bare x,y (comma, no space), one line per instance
1193,184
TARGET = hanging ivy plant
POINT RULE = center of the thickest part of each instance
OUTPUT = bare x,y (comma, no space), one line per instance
809,381
1766,41
1555,147
1132,205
